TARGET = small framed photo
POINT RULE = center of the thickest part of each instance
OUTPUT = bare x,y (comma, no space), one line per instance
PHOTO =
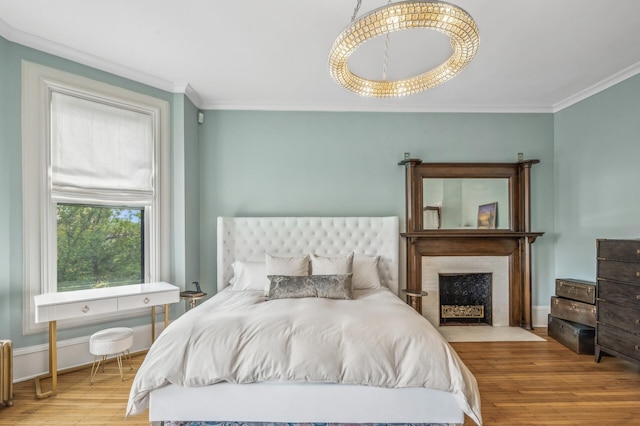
432,217
487,216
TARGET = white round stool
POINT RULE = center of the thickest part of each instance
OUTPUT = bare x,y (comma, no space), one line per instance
112,341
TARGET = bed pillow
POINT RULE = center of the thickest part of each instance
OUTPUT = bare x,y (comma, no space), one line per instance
249,276
325,286
324,265
365,272
293,266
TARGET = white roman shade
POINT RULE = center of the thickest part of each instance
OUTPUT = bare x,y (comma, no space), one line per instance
100,150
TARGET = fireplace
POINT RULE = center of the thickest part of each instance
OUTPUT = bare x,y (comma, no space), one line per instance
432,267
465,298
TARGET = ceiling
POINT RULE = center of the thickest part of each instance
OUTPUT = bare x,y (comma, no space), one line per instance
534,56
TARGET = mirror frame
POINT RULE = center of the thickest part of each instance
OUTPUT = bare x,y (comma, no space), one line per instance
512,172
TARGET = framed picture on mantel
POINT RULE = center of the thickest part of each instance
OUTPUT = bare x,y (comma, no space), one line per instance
487,216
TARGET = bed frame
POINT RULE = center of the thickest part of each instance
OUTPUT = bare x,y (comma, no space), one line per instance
248,239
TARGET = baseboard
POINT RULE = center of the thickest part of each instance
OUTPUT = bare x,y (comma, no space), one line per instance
540,315
33,361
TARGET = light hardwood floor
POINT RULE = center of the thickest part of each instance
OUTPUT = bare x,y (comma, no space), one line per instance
521,383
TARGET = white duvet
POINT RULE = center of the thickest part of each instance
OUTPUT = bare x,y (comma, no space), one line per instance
375,339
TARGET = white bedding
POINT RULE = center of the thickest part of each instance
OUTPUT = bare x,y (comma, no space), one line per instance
238,337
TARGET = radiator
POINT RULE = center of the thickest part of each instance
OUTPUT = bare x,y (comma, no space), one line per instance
6,373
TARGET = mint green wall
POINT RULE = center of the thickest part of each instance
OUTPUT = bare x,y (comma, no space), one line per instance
185,189
5,190
192,194
597,150
177,274
11,185
333,164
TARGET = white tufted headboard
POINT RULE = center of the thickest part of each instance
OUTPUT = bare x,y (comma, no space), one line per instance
249,238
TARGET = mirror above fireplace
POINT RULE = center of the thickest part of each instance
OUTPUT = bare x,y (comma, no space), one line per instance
459,203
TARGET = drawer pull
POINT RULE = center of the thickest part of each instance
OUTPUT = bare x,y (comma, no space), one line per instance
85,309
638,274
638,321
146,300
637,347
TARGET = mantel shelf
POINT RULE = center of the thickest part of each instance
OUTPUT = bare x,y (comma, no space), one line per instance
467,233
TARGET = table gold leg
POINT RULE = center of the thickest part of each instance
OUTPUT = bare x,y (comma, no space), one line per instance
166,316
153,324
53,365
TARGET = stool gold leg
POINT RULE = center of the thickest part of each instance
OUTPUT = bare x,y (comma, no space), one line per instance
94,369
119,359
129,357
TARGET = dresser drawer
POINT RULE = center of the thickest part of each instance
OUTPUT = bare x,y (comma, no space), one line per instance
570,310
625,272
619,341
582,291
75,309
627,250
148,299
619,316
623,294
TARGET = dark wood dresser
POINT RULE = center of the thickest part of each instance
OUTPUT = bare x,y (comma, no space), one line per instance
618,299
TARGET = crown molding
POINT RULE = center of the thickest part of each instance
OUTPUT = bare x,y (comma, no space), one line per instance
43,45
533,109
598,87
189,91
6,30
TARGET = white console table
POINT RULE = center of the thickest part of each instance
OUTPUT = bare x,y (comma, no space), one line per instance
52,307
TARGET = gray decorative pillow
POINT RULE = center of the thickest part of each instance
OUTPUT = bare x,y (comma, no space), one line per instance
325,286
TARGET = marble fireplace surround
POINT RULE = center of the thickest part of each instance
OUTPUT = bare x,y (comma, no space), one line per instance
498,266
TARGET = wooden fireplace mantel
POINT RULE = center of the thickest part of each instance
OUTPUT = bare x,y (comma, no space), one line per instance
514,242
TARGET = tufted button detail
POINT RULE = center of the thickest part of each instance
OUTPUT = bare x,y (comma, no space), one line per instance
249,238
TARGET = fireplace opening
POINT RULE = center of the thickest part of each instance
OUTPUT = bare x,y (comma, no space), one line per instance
465,298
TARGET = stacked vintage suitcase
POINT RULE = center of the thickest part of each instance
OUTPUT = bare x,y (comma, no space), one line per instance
573,315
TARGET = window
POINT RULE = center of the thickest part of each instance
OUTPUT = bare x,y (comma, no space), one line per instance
99,246
95,186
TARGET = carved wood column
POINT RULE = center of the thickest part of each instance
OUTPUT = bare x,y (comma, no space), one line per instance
525,200
413,198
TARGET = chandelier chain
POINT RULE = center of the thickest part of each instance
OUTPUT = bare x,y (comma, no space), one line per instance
386,52
355,10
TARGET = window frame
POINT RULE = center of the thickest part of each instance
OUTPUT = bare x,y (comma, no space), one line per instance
39,210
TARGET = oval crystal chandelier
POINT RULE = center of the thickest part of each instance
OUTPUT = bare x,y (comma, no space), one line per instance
439,16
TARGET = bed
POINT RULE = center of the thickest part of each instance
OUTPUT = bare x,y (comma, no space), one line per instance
330,362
